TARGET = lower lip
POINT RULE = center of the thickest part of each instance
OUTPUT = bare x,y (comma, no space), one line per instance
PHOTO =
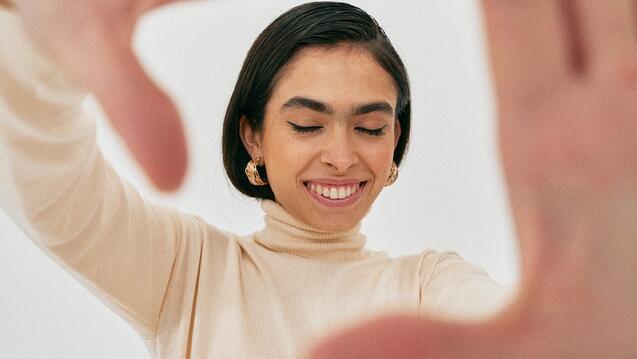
337,202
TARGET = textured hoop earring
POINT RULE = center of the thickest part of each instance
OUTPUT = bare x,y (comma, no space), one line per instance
393,175
253,173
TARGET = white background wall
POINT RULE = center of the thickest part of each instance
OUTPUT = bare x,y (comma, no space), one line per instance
449,195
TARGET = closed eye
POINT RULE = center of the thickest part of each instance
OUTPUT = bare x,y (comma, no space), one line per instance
304,129
372,131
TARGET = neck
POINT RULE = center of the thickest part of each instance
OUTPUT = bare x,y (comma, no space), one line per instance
286,234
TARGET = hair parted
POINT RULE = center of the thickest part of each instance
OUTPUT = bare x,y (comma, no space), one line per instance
323,23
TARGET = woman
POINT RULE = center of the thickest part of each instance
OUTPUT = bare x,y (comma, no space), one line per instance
561,68
316,127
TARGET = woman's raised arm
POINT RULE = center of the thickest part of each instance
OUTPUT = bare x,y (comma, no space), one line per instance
56,184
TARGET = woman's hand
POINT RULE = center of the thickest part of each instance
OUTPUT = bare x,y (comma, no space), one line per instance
91,41
566,79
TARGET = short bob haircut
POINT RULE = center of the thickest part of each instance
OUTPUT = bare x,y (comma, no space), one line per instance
320,24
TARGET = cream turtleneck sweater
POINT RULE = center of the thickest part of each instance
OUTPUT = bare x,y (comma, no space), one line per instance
189,289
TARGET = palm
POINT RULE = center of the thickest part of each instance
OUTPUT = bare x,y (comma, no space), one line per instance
91,40
566,79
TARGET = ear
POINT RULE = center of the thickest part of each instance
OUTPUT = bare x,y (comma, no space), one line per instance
251,138
397,132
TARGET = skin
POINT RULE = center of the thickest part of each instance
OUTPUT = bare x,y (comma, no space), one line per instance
565,78
82,36
341,148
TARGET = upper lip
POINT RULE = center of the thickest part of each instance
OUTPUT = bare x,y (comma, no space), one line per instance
335,181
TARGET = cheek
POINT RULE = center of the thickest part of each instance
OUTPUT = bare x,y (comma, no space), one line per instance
379,155
285,157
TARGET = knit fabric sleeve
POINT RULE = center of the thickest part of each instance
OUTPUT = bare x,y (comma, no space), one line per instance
55,183
456,289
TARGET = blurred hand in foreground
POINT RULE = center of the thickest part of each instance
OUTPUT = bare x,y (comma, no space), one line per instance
566,83
92,41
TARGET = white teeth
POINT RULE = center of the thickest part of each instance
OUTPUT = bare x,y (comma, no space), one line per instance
341,193
333,193
336,192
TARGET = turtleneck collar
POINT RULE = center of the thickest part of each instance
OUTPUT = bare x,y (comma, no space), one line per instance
286,234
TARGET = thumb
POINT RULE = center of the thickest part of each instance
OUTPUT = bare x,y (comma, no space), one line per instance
414,337
146,118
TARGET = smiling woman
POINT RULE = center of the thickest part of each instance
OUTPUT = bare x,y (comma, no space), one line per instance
319,121
307,37
323,100
341,134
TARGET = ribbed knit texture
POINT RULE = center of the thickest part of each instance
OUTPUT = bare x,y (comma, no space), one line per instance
286,234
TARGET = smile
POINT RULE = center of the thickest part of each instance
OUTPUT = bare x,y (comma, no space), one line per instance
335,194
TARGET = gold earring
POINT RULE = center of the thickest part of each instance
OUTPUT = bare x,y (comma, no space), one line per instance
393,174
253,173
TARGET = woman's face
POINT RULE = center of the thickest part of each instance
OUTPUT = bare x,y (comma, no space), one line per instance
329,128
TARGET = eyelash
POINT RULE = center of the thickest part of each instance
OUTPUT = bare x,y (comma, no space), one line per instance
309,129
304,129
372,131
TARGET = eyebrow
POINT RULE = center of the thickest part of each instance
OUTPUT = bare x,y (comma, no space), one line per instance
299,102
307,103
382,106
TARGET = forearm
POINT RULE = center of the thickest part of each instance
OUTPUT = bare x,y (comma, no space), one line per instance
43,129
459,289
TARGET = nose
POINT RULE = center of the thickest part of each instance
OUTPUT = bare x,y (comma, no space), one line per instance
339,152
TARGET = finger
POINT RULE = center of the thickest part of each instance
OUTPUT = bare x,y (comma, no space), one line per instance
145,118
387,338
528,47
607,30
411,337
